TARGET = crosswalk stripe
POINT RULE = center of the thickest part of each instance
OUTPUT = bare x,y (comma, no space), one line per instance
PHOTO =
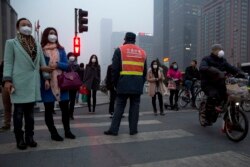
100,124
41,118
97,140
228,159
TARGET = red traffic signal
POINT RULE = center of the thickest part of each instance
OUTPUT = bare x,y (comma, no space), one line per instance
77,46
82,21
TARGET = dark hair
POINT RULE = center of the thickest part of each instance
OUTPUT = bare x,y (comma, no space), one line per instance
172,65
45,35
155,72
195,61
90,62
19,20
70,54
81,65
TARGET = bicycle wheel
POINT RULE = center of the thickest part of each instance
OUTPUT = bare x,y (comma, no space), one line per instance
184,99
245,105
236,125
202,115
199,97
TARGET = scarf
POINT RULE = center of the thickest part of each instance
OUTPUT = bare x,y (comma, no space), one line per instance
29,45
51,51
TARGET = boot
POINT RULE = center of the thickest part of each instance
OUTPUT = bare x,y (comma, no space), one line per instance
30,141
21,145
69,135
56,137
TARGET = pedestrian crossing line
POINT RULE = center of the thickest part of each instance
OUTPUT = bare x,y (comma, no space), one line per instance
10,148
100,124
228,159
41,118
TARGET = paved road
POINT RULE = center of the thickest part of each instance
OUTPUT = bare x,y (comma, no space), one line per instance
175,139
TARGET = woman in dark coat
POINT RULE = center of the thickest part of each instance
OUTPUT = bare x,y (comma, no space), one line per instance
92,78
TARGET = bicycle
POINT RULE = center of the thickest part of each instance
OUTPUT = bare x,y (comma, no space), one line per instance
235,120
185,96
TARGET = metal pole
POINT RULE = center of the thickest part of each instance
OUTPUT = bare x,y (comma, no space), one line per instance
76,21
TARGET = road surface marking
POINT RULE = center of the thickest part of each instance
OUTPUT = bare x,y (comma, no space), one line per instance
9,148
227,159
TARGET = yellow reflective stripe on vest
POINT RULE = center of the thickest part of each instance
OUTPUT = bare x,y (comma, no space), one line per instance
133,63
131,73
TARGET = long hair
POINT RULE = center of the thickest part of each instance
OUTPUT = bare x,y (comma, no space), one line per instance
45,35
90,62
155,72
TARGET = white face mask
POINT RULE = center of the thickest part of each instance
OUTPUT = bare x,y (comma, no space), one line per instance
72,58
93,60
221,54
155,66
52,38
25,30
175,67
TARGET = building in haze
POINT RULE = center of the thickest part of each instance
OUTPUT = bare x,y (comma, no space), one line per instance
105,45
176,33
117,39
227,22
8,20
145,41
161,29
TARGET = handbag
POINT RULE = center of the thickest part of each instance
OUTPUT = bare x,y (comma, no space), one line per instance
171,85
84,98
83,90
69,81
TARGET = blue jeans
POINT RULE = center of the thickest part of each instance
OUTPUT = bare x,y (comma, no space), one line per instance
121,101
26,110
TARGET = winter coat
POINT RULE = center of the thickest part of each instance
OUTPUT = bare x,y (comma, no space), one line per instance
152,83
23,72
191,73
47,95
92,77
109,81
212,68
126,84
176,75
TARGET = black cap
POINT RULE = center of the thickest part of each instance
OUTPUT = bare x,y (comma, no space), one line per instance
130,37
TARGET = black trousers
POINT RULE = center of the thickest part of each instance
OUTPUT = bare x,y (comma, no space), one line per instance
26,110
174,95
72,101
93,92
112,97
160,102
49,107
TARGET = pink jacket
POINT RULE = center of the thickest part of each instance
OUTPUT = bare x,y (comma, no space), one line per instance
174,74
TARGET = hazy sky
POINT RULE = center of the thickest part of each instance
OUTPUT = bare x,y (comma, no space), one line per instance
127,15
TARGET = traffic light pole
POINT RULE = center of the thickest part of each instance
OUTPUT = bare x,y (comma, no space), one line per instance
76,21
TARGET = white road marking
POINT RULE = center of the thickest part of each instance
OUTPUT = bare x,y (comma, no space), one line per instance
228,159
97,140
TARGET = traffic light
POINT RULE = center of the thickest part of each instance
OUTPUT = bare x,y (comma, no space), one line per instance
82,21
77,46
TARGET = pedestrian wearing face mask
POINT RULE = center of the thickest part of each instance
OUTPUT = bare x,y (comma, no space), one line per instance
175,75
56,58
73,66
23,61
92,78
156,88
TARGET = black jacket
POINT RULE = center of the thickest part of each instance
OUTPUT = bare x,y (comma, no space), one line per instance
212,68
92,77
126,84
191,73
109,81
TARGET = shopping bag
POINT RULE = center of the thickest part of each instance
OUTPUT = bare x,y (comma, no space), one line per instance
83,90
84,98
171,85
